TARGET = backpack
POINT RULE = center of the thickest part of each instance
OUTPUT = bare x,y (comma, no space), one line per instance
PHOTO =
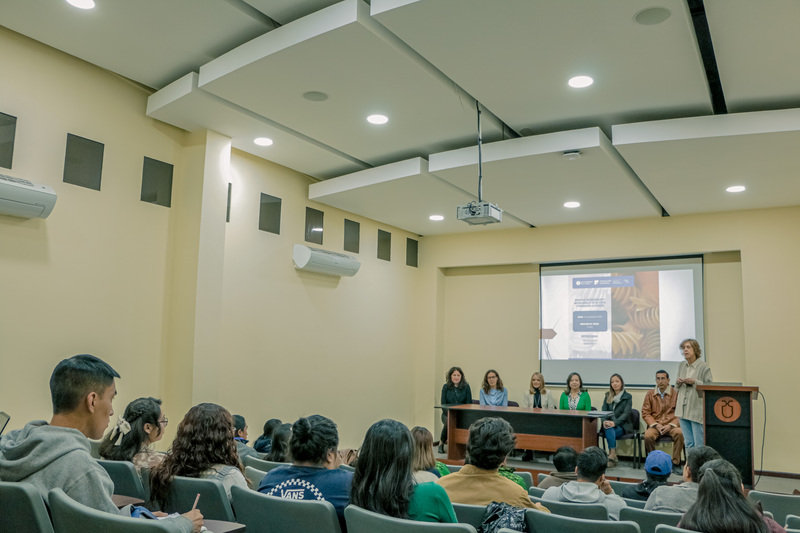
501,515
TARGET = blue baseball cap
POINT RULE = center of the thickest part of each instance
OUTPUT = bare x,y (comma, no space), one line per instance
658,463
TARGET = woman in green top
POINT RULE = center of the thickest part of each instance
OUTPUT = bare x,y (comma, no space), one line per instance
382,482
575,398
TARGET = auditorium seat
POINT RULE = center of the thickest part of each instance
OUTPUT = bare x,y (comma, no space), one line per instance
70,516
362,521
539,522
22,509
254,474
469,514
588,511
126,481
648,520
261,464
780,505
213,503
636,437
270,514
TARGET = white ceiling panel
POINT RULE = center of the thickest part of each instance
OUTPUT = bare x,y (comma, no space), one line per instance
403,195
758,52
531,178
516,57
184,105
688,163
153,42
285,11
364,69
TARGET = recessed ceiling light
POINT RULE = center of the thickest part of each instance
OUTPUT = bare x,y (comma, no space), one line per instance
436,217
263,141
735,188
315,96
316,229
652,16
82,4
580,82
572,155
377,119
572,205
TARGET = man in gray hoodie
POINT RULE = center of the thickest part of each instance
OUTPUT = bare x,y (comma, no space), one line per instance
591,486
56,455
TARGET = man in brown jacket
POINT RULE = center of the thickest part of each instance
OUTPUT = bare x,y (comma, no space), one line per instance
658,412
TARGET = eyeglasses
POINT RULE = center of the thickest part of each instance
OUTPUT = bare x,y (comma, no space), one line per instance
164,422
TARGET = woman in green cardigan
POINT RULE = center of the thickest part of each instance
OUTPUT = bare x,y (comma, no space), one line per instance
575,398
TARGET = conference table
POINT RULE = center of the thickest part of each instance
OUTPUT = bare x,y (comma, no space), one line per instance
535,428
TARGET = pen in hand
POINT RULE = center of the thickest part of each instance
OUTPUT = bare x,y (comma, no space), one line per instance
195,501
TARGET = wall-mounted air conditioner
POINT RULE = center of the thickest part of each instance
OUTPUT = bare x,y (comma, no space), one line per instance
26,199
324,262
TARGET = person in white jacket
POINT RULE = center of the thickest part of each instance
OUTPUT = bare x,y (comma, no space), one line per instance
591,486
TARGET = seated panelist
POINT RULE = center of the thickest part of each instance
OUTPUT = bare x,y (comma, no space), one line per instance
575,397
493,392
538,395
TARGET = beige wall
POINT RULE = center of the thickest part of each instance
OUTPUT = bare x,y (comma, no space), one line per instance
750,314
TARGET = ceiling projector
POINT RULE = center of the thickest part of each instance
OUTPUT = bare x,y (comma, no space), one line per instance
479,213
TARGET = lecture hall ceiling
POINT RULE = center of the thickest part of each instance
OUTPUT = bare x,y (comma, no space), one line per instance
656,132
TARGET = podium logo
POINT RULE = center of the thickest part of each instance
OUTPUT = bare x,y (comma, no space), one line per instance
727,409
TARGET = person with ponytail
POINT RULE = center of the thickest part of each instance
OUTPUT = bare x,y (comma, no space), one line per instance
721,505
203,448
383,482
140,426
315,472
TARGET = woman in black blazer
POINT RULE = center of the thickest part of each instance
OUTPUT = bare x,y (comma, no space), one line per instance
618,423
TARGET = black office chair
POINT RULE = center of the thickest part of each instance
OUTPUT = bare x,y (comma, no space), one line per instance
636,437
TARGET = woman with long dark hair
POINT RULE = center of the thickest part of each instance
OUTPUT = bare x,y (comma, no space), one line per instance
455,391
203,448
493,392
721,506
140,426
279,450
383,483
618,423
264,442
315,472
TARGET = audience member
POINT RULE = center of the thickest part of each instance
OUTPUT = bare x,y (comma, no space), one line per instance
203,448
618,423
455,391
565,460
240,436
478,482
492,392
314,474
56,455
141,426
423,464
279,452
678,498
382,482
658,412
575,397
264,443
591,485
721,506
657,467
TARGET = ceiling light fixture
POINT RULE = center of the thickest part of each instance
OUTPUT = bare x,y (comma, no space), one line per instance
572,155
377,119
436,218
82,4
315,96
572,205
579,82
263,141
652,16
735,188
316,229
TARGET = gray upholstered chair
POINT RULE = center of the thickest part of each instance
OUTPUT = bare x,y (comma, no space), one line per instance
539,522
261,464
619,486
362,521
663,528
22,509
526,476
270,514
588,511
126,480
213,503
648,520
254,474
70,516
540,478
469,514
536,491
780,505
792,521
636,504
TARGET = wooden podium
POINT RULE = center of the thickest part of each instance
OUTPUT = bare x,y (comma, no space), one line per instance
728,424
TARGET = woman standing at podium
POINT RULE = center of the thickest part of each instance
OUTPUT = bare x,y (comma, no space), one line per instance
493,392
455,391
689,406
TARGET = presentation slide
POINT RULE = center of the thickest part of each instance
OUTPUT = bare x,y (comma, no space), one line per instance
625,317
